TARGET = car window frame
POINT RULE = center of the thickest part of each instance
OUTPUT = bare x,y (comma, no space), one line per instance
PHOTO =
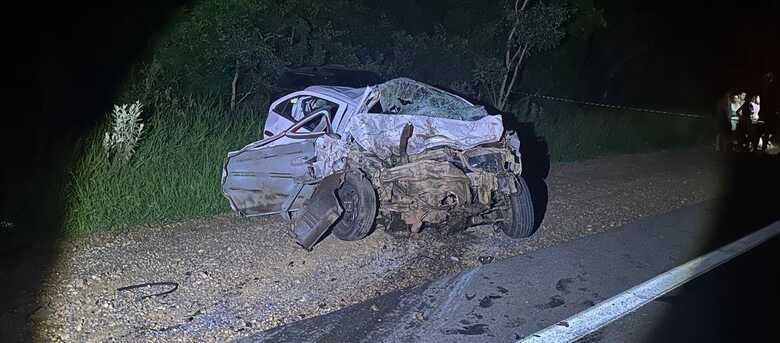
342,106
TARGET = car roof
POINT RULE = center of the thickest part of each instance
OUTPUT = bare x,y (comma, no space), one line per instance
351,96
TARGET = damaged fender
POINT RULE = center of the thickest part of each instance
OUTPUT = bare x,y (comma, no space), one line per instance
319,212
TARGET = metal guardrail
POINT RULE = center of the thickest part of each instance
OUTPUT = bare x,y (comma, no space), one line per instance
615,107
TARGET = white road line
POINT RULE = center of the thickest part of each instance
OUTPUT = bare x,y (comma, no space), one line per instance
624,303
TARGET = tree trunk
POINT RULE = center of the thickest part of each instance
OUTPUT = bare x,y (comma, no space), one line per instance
508,90
233,89
513,59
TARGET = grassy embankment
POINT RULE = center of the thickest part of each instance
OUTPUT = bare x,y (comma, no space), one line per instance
175,172
173,175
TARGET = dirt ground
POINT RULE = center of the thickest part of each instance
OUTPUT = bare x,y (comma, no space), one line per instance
239,276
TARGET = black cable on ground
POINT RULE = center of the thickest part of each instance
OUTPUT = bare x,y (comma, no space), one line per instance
149,284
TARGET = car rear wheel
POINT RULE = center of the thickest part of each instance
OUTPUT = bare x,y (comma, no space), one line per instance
358,199
519,213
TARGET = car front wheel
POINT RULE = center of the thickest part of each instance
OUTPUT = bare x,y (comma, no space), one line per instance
518,218
358,199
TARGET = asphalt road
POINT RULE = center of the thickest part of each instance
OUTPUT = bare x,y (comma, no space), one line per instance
732,303
514,298
508,300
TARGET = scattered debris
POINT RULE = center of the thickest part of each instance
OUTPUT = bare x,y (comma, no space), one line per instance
174,286
487,301
486,259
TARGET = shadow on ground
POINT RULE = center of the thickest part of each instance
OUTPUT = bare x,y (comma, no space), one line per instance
736,302
536,163
69,64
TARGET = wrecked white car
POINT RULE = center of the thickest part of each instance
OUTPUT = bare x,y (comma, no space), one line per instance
400,156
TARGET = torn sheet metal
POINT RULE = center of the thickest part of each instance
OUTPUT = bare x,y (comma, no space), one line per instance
428,184
319,212
381,133
331,156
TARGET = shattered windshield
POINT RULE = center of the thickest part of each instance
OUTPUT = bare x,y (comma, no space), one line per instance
407,96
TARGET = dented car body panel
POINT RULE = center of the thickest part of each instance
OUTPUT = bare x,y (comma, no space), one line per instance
318,213
431,157
261,181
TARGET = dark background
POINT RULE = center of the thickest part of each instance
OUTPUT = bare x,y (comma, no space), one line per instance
67,62
64,66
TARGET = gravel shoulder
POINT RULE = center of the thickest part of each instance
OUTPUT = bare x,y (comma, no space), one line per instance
240,276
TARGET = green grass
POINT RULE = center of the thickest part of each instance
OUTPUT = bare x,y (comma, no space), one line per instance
575,132
175,172
173,175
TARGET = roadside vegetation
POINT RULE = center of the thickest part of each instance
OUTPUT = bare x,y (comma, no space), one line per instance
574,132
203,91
173,174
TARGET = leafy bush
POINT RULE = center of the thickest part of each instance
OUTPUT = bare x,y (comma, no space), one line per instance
126,129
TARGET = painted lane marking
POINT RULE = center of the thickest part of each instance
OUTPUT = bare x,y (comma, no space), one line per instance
629,301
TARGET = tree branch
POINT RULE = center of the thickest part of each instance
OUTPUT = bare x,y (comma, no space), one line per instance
512,57
514,76
233,88
525,2
509,44
244,97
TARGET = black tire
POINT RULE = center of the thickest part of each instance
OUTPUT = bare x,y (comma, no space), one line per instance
358,199
519,219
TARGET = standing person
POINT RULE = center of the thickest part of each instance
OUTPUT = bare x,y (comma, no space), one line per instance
727,118
734,104
748,123
733,120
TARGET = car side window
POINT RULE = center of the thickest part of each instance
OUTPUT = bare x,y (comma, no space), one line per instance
285,108
302,106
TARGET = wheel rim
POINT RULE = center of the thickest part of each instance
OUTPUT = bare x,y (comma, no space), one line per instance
349,202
